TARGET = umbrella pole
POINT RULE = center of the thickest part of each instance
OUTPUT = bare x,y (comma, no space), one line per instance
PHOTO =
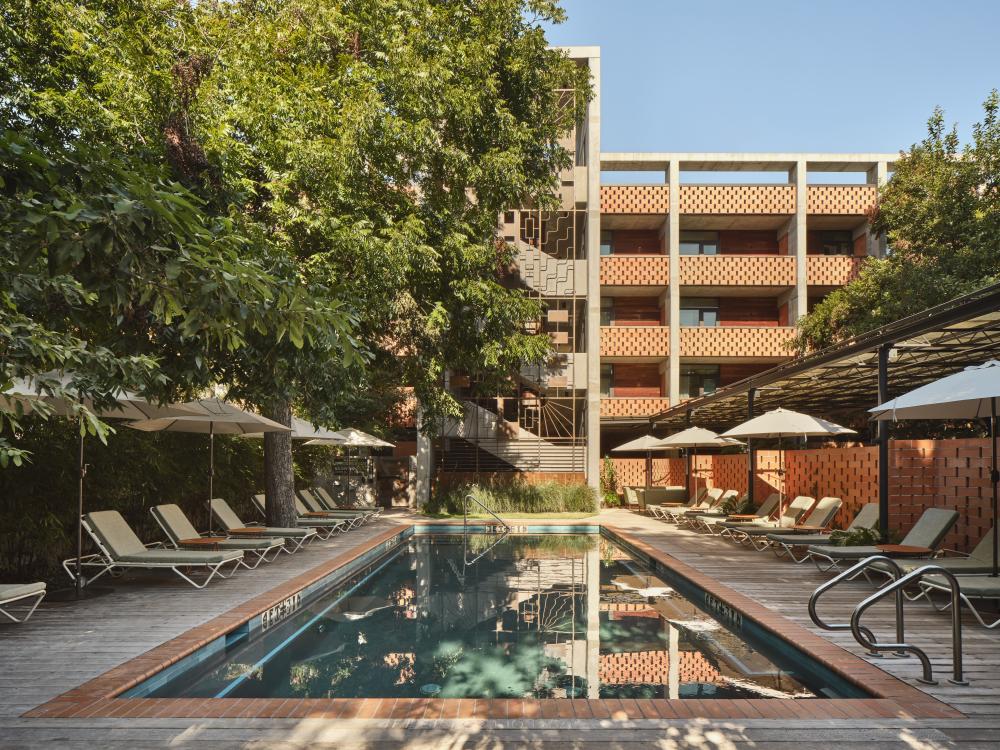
649,469
79,521
781,479
687,454
211,471
994,480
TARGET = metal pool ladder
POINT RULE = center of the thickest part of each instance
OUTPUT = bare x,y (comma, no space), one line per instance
465,530
867,639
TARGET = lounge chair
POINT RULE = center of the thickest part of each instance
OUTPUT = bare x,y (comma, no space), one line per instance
819,516
313,505
120,549
709,500
295,537
796,545
28,595
660,510
971,587
327,501
710,521
325,525
977,562
927,532
183,535
631,498
736,530
689,518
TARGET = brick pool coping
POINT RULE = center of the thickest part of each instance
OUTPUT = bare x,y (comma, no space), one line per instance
97,697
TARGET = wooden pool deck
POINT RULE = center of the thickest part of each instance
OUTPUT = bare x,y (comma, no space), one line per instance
64,646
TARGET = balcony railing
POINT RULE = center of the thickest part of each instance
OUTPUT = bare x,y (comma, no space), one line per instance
842,200
635,270
765,342
635,341
738,270
613,407
737,199
832,270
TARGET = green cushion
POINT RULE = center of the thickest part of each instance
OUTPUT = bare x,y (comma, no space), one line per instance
114,533
181,557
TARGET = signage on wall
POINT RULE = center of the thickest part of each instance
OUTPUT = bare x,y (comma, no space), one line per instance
280,611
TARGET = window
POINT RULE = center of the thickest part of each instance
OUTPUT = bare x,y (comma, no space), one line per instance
606,243
698,380
607,378
699,312
699,243
607,311
836,243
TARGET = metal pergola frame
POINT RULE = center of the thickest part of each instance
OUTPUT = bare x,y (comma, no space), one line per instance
843,381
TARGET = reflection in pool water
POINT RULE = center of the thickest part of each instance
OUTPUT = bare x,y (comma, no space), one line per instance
544,616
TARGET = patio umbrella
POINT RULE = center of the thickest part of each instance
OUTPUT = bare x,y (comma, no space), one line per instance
969,394
781,423
303,430
646,443
211,416
695,437
349,438
28,392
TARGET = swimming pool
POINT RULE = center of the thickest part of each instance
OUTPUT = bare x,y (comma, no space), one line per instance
554,615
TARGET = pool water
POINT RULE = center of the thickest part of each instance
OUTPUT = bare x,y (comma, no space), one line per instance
542,616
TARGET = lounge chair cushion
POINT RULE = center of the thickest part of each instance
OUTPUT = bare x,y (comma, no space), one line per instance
930,528
974,587
844,553
115,533
954,564
11,591
320,522
181,557
226,515
175,523
801,540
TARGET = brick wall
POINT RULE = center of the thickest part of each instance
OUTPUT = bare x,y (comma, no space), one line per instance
635,379
737,270
642,270
748,311
637,311
841,199
636,242
748,242
923,473
635,341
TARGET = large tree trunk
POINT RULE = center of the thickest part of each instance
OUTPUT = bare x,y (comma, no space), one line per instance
279,476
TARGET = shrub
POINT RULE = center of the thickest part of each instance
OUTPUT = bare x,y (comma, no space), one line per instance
516,497
609,484
855,537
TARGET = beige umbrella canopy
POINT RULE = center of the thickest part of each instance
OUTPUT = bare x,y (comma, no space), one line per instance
781,423
304,430
349,438
645,444
30,394
212,416
696,437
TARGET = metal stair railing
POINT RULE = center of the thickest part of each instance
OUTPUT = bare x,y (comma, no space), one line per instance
861,635
848,575
895,587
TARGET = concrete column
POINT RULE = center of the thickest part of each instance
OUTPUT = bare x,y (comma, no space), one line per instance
877,175
592,571
593,192
799,303
674,311
425,462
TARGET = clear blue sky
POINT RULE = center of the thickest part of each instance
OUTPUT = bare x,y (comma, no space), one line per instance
770,75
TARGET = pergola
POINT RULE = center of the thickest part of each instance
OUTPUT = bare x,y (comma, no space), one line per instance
842,382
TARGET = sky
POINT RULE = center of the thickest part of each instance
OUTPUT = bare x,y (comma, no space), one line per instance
777,75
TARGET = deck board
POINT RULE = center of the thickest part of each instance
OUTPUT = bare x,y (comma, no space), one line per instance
65,645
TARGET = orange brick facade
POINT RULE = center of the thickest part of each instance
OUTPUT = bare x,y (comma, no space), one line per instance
728,341
635,341
832,270
636,270
618,408
840,200
738,270
922,474
737,199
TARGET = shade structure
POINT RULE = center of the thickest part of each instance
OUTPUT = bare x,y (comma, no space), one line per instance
212,416
695,437
781,423
646,444
970,394
28,392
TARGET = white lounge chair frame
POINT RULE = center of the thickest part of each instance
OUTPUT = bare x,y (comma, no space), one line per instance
292,543
104,561
252,558
25,599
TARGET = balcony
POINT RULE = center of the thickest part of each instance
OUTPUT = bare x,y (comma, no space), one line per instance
635,341
624,408
737,342
841,200
737,199
635,199
832,270
635,270
737,270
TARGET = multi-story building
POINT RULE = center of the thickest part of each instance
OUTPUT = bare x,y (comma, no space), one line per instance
661,290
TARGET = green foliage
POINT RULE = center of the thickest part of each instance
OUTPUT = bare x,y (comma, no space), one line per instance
940,213
860,537
609,484
516,497
737,504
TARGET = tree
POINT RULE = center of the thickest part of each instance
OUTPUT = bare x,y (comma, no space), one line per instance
940,214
